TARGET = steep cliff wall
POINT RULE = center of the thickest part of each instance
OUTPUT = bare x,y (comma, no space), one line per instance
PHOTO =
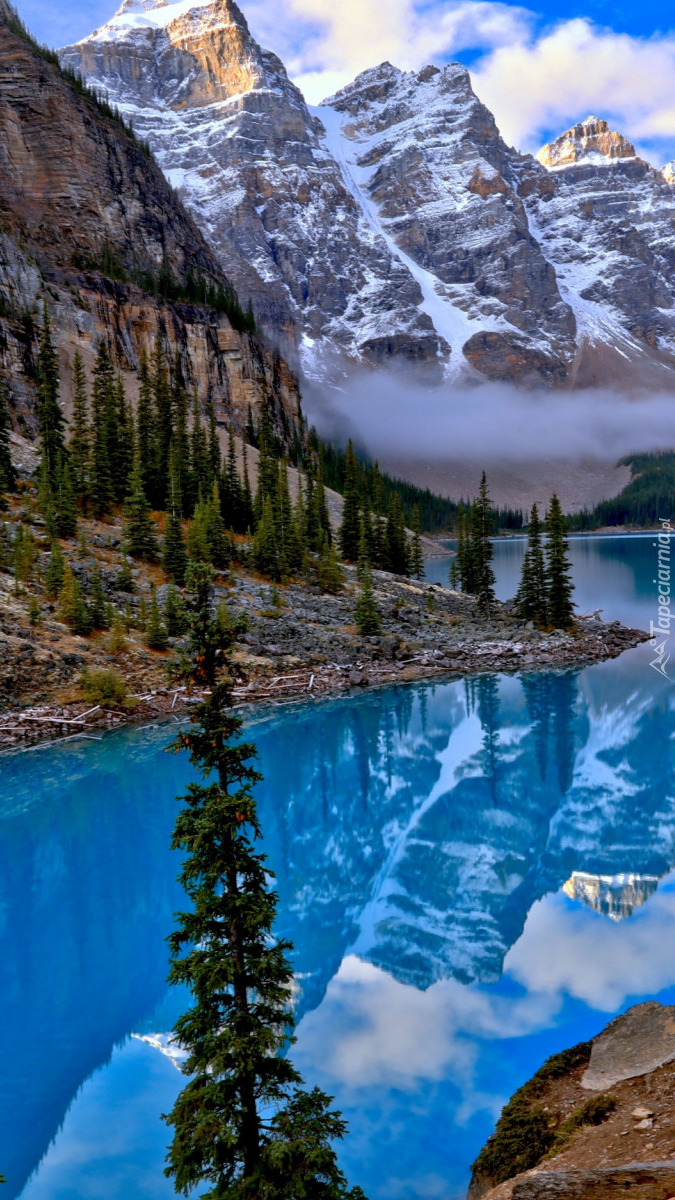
80,201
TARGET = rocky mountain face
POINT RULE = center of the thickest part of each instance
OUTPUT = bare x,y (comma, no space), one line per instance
606,227
234,135
393,222
80,201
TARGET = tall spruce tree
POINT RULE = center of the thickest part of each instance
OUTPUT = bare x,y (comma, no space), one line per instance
350,529
161,396
140,534
481,549
50,417
242,1126
104,433
145,429
532,596
174,553
367,613
79,447
560,586
416,552
397,540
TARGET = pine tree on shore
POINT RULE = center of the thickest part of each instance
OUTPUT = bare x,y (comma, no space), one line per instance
481,550
560,586
367,613
243,1126
56,565
416,552
350,529
65,503
532,595
102,416
397,540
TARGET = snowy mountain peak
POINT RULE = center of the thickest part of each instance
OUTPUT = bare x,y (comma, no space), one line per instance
153,15
588,142
668,172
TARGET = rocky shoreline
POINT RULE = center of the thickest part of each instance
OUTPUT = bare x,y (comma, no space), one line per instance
300,645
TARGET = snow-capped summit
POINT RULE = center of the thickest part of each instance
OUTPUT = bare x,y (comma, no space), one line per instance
393,222
589,141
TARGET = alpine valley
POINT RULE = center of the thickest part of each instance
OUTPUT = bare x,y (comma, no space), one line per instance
392,222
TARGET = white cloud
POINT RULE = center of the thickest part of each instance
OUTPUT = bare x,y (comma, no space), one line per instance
324,45
545,84
569,950
373,1031
536,80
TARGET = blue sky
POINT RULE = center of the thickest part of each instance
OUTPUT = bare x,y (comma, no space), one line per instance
539,68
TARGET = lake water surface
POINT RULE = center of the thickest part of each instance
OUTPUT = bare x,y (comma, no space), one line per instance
473,874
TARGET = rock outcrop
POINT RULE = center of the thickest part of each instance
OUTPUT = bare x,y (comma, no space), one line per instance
552,1140
80,201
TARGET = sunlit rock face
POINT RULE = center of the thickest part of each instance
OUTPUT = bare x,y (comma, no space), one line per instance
234,136
615,896
590,140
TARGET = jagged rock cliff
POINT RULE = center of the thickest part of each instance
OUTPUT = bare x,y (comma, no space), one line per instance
235,137
73,185
393,221
606,228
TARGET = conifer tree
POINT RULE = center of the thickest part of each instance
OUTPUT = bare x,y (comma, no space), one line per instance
265,547
367,612
220,551
312,528
560,586
242,1126
50,416
161,396
123,453
96,606
174,553
213,445
125,580
397,541
65,508
247,518
199,454
72,609
331,573
321,503
416,552
230,492
481,550
174,612
103,433
182,495
7,472
56,566
145,429
79,447
155,631
140,535
532,597
197,541
350,529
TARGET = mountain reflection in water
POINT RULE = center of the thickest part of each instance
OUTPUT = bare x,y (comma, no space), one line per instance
447,857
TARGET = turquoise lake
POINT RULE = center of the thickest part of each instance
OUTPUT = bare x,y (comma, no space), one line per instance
474,875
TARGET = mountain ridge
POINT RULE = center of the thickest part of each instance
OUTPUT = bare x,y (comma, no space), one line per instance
403,229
